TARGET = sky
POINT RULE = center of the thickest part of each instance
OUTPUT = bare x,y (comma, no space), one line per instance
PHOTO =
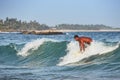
53,12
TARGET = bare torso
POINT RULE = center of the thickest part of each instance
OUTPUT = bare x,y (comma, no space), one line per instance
82,41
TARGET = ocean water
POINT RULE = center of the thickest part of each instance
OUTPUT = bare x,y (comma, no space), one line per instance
57,57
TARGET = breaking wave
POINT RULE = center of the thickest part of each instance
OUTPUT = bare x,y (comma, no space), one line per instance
49,52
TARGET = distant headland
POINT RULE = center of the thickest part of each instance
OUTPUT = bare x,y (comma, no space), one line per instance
33,27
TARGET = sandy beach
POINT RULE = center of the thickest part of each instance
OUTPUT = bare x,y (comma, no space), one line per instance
55,32
86,30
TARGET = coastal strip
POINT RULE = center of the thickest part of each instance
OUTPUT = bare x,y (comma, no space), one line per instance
42,32
53,32
58,32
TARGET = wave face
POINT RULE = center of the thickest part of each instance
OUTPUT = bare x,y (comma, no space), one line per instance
8,54
74,54
40,52
49,52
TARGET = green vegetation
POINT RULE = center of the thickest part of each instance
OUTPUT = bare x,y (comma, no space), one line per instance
82,27
12,24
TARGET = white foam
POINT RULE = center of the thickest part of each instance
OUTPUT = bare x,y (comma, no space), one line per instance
33,45
74,54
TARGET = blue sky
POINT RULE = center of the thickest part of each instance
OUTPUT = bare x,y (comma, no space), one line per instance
52,12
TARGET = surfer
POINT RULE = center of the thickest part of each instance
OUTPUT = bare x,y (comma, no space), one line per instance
83,41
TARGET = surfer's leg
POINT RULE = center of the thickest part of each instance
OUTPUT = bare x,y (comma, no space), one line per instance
82,47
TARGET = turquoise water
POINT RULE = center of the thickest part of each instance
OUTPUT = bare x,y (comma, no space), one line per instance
57,57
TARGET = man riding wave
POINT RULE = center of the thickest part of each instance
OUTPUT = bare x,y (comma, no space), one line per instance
82,41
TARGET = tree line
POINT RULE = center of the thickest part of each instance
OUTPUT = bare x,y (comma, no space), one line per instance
82,27
12,24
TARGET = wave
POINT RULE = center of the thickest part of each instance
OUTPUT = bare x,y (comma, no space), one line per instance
8,54
50,52
33,45
42,52
74,55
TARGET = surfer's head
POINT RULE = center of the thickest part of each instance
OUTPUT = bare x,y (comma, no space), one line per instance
76,37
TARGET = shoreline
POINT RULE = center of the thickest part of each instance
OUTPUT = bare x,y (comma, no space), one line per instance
88,30
52,32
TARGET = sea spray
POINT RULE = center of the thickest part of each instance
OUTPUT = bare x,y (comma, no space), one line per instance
74,55
33,45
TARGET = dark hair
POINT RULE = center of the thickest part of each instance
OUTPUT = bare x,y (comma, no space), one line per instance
76,36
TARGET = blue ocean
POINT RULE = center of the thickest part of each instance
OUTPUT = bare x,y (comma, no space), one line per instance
58,57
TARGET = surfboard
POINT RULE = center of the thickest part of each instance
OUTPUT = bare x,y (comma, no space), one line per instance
79,53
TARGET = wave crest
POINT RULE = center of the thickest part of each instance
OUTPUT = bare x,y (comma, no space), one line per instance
74,55
33,45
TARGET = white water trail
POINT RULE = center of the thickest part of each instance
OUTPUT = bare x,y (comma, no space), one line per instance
33,45
74,55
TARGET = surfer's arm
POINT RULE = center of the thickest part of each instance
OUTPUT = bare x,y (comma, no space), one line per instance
81,44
